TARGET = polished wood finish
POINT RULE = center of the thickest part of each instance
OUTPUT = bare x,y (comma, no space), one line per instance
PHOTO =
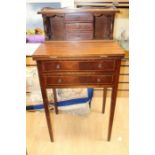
45,101
78,23
91,64
85,79
113,101
78,50
78,17
104,99
50,11
83,61
123,77
79,35
77,27
56,28
104,26
55,100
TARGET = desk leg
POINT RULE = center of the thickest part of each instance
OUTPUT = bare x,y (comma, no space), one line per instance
55,101
113,100
47,113
45,101
104,99
112,111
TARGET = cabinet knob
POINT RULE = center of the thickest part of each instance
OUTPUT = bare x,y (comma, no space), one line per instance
58,66
98,80
59,80
99,65
77,25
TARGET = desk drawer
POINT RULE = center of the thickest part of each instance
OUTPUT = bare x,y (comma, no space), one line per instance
79,79
78,35
73,27
78,17
93,65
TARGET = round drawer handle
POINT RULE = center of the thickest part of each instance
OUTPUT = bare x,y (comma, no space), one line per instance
77,25
98,80
59,80
58,66
99,65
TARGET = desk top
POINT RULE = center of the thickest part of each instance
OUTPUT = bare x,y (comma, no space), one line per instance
75,49
75,10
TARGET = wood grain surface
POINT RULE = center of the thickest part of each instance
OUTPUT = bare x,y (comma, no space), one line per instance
51,11
74,49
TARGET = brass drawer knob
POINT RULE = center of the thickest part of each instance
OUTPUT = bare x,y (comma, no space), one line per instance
58,66
59,80
99,65
77,25
98,80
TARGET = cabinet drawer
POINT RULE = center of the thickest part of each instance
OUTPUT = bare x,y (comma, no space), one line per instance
79,35
70,65
79,27
79,79
78,17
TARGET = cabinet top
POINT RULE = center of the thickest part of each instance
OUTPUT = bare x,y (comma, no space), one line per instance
78,49
47,10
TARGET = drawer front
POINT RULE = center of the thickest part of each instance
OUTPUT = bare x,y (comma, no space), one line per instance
75,80
93,65
79,27
78,17
79,35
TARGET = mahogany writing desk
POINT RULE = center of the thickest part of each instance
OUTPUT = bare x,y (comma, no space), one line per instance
65,64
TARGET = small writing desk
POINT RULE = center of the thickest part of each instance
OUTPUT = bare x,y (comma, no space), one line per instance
66,64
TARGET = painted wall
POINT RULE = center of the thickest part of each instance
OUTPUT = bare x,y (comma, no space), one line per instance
121,28
34,20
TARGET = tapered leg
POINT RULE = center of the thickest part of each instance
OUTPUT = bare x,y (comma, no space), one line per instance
112,110
55,101
45,101
47,113
113,100
104,99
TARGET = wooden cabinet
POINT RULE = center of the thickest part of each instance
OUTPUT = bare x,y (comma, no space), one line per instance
78,24
88,63
91,64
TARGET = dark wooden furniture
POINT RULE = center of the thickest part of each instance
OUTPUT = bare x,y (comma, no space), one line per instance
63,64
78,23
75,55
